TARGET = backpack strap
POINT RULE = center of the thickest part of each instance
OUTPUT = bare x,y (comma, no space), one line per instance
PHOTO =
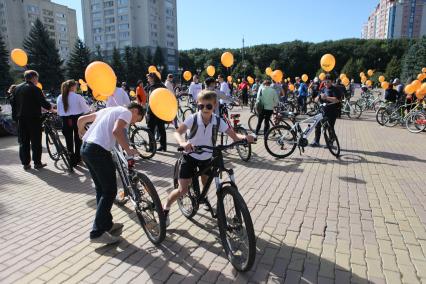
215,130
194,126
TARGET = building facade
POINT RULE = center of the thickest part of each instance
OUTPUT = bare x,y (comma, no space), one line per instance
18,16
396,19
136,23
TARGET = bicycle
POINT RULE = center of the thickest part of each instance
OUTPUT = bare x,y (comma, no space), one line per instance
369,101
394,115
143,140
280,113
351,109
285,137
244,151
138,188
416,122
55,148
236,230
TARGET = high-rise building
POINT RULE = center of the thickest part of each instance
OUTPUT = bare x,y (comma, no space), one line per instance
396,19
18,16
136,23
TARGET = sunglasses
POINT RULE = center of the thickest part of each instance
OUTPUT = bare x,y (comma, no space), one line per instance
207,106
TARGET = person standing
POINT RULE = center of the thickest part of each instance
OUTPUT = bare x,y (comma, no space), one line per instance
195,88
119,98
107,129
169,83
140,93
125,87
269,99
302,95
331,96
70,107
155,123
243,87
27,101
224,87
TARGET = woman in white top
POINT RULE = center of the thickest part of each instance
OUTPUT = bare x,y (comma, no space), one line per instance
119,98
70,107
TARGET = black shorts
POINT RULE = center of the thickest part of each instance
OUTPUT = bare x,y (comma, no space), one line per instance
189,166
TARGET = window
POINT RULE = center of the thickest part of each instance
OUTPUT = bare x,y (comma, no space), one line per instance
154,34
122,27
51,34
48,20
61,21
109,20
110,37
109,12
96,7
108,4
124,35
124,43
98,38
97,22
123,18
62,35
110,29
97,15
96,1
170,44
33,9
123,2
62,28
60,15
110,45
123,10
47,12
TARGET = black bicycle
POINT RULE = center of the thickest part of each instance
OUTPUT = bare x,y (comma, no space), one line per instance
138,188
54,145
234,220
143,140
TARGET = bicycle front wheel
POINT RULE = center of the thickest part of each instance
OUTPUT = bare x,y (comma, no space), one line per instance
252,122
243,151
416,122
143,140
280,141
332,141
148,209
236,228
65,155
379,116
355,111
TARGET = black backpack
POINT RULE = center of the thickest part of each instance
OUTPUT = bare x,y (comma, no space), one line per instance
194,128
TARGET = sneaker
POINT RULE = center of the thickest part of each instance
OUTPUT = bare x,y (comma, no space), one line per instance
105,238
116,229
315,144
26,167
40,166
167,221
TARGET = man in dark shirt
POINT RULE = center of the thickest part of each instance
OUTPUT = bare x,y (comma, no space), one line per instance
27,101
331,96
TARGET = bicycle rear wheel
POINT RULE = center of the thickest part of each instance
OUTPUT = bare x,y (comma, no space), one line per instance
331,140
280,141
143,140
252,123
416,122
236,228
390,118
51,148
355,111
148,209
243,151
379,115
187,113
64,154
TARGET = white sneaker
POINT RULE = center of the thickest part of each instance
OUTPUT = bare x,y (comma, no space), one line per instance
105,238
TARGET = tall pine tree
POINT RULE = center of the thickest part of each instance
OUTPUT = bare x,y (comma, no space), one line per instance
79,59
98,54
393,70
158,59
117,65
140,64
129,60
43,56
414,60
148,58
5,78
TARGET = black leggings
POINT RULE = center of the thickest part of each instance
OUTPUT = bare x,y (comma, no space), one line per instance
264,115
72,139
154,122
331,120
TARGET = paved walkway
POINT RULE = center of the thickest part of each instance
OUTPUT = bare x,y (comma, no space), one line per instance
317,219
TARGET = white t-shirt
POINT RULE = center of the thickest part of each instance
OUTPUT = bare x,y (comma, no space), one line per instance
225,89
195,89
76,105
169,85
119,98
100,132
203,136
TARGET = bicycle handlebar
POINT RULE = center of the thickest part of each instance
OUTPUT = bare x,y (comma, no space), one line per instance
202,148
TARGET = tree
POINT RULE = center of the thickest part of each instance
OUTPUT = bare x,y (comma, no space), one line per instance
140,64
117,65
98,54
352,68
414,60
130,68
393,70
158,59
79,59
148,57
5,78
43,56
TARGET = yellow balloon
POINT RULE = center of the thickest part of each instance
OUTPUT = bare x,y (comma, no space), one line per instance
19,57
369,83
152,69
424,70
158,74
211,70
163,104
101,78
277,76
187,75
362,74
99,97
409,89
363,79
81,81
83,87
328,62
227,59
416,84
250,80
370,72
291,87
420,77
268,71
40,86
229,78
420,93
382,79
132,93
305,78
385,85
345,81
321,76
342,76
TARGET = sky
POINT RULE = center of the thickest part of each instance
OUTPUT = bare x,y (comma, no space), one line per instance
223,23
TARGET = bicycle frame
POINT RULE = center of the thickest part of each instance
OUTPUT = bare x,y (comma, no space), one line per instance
308,130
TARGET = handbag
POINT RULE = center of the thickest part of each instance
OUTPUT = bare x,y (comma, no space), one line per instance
259,105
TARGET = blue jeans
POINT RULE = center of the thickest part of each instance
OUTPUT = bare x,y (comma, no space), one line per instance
102,169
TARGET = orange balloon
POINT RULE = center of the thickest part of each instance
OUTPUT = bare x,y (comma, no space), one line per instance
381,79
385,85
101,78
83,87
342,76
277,76
291,87
268,71
227,59
211,70
229,78
345,81
370,73
409,89
19,57
328,62
158,74
163,104
40,86
152,69
305,78
362,74
369,83
420,77
322,76
417,84
187,75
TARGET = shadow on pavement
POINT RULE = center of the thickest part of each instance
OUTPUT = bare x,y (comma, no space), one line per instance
387,155
353,180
